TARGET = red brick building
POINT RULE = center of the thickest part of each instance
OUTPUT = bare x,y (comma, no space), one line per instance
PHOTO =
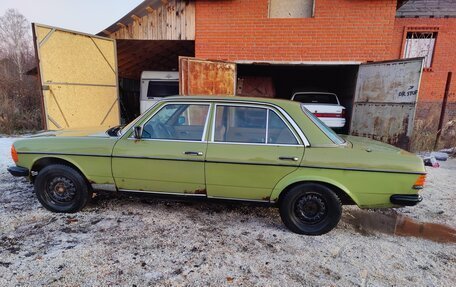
341,30
274,48
436,110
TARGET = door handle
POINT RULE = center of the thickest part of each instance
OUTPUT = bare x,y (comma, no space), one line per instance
289,158
198,153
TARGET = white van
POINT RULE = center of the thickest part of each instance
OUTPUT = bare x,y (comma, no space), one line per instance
156,85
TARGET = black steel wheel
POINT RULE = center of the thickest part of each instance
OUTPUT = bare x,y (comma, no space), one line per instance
310,208
60,188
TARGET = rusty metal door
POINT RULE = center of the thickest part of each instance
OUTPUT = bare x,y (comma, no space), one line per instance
78,74
203,77
385,100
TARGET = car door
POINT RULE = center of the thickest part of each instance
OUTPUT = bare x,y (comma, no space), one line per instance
251,148
169,157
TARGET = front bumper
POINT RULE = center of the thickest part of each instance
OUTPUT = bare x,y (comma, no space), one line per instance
18,171
406,199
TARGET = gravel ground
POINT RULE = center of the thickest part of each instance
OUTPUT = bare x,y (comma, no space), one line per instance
136,241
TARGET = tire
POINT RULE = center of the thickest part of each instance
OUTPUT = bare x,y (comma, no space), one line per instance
60,188
310,208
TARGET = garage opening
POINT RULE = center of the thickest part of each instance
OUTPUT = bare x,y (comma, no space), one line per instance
283,81
137,56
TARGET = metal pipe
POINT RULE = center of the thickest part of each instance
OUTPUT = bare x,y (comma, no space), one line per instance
443,110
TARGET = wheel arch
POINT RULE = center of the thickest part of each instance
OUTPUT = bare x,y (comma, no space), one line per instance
344,194
42,162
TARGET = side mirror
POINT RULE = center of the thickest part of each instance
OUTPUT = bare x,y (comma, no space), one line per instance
138,132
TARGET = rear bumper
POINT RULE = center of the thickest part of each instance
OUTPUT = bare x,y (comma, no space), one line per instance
18,171
406,199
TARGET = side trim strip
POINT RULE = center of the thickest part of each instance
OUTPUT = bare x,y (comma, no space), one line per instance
240,199
228,162
363,170
164,193
58,153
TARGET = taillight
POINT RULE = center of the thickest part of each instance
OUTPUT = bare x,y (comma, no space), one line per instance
419,183
14,154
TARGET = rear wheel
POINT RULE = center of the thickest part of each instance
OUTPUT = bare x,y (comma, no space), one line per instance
60,188
310,208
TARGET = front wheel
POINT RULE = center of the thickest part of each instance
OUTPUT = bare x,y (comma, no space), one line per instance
60,188
310,208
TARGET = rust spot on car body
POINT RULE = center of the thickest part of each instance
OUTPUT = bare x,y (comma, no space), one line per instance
267,198
201,191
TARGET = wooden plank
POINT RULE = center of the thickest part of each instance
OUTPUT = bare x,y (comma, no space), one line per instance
173,20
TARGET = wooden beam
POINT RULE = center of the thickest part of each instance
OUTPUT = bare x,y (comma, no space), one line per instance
135,18
106,32
149,9
165,1
121,25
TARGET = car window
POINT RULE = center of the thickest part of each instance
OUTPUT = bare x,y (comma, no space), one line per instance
316,98
162,89
278,131
177,122
324,128
240,124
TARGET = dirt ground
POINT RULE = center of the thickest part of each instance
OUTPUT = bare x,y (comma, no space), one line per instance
135,241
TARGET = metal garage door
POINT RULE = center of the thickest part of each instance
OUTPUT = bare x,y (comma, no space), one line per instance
78,75
202,77
385,100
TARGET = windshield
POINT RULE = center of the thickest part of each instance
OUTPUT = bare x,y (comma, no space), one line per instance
324,128
309,98
127,127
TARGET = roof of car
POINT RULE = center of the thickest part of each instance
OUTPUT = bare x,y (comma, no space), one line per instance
233,99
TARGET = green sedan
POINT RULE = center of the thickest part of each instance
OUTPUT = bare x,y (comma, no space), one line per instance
224,148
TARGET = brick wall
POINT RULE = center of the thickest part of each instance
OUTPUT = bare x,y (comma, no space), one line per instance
433,82
341,30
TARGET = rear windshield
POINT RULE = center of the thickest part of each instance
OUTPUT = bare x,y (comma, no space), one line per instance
316,98
160,89
324,128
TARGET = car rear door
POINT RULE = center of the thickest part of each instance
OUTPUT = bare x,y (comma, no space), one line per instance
251,148
169,157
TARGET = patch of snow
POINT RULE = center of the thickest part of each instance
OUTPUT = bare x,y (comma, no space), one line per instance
5,153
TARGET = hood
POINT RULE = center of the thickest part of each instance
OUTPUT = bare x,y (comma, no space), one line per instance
86,132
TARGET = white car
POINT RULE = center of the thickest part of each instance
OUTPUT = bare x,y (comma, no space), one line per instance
325,106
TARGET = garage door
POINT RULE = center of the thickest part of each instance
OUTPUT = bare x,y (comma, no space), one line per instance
78,74
203,77
385,100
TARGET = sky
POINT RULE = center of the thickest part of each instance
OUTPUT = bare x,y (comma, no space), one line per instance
89,16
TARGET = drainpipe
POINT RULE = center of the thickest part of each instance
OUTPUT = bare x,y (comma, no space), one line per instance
442,112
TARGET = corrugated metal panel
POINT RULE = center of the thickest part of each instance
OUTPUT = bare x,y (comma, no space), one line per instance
79,78
202,77
385,101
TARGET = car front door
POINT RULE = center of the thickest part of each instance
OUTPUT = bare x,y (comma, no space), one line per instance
251,148
169,157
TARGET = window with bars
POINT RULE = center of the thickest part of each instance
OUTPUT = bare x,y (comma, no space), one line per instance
291,8
420,44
